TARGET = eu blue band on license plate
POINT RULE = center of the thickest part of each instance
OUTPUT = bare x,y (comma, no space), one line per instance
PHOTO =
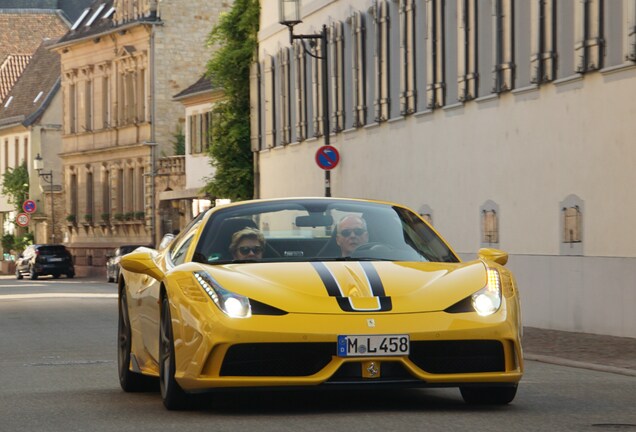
373,345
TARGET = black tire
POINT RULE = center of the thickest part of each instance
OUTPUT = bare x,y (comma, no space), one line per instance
128,380
488,395
70,275
33,275
18,273
56,275
174,398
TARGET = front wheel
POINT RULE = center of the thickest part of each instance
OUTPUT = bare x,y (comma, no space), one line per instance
33,275
129,380
489,395
18,273
174,398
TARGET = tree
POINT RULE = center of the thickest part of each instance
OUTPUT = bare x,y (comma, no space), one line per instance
15,185
236,36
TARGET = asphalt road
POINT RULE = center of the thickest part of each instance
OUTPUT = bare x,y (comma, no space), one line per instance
58,372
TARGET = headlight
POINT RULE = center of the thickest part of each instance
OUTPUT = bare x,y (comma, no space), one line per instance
487,300
231,304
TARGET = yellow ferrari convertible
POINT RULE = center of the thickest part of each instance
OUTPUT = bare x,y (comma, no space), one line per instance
308,292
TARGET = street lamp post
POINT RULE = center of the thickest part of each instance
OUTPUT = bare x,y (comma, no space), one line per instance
47,176
289,15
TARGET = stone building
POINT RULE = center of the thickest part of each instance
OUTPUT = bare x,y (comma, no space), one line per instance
33,114
122,62
508,123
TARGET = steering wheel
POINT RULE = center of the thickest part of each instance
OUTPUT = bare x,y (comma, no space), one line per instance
373,248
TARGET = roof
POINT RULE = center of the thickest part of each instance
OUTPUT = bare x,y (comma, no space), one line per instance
22,30
10,71
99,18
203,85
32,93
71,8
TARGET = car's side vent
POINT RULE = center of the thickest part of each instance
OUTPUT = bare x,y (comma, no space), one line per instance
259,308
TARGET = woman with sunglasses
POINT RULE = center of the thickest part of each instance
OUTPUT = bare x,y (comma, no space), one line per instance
351,232
247,244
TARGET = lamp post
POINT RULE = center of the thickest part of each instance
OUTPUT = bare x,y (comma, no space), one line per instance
289,15
47,176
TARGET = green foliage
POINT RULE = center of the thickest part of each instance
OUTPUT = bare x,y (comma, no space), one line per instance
178,145
230,152
15,185
22,242
8,242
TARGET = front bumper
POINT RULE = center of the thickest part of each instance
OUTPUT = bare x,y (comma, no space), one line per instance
300,349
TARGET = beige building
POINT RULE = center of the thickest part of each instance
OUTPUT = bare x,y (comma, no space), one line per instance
122,63
508,123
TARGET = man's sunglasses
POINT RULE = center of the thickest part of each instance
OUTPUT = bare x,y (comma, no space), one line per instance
356,231
244,250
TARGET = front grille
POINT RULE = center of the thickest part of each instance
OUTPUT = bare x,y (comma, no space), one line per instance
277,359
460,356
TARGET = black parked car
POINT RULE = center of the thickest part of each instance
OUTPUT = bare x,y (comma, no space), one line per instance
112,265
38,260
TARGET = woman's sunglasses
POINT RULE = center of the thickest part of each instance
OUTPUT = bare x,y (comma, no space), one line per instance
356,231
244,250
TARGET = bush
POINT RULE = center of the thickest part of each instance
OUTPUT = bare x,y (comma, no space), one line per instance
8,242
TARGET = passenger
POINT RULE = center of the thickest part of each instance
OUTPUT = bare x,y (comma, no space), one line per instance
351,232
247,244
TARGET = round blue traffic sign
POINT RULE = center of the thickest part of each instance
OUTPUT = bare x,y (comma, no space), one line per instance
327,157
29,206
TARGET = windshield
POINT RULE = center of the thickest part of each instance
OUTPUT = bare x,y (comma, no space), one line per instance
318,230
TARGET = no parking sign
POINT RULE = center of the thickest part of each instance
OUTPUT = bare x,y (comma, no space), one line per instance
327,157
29,206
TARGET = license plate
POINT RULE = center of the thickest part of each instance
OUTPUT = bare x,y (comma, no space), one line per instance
373,345
55,259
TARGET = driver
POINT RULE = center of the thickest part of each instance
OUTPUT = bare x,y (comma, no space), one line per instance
351,232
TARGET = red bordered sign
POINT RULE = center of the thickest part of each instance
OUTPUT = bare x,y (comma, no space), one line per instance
327,157
29,206
22,219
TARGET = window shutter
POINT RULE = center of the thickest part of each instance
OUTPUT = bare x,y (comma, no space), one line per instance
589,40
358,70
301,92
503,19
336,41
285,103
543,42
317,90
467,49
407,56
381,61
630,33
435,89
255,107
270,111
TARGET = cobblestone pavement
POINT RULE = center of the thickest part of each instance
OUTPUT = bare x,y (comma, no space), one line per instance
585,350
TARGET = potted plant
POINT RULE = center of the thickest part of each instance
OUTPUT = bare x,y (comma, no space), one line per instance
129,216
88,219
119,217
139,215
105,218
71,219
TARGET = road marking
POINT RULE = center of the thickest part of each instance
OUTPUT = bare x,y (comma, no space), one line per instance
55,295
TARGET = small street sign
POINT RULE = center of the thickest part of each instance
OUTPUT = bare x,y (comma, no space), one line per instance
29,206
327,157
22,219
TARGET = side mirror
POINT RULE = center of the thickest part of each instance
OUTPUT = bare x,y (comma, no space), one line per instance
142,260
496,255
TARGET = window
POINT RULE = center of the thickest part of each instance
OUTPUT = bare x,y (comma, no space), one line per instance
140,192
16,152
543,41
120,191
89,194
74,206
381,12
358,70
88,102
106,121
106,191
435,94
467,50
25,148
489,224
72,109
301,91
588,27
407,57
571,226
336,61
141,96
504,45
427,213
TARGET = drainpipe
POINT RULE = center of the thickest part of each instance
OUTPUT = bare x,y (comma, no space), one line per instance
152,143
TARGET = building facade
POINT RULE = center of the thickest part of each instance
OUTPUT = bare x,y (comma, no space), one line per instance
507,123
122,62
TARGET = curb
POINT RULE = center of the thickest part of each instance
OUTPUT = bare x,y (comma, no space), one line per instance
581,365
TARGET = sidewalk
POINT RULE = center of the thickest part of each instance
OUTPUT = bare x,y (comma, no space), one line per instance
584,350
